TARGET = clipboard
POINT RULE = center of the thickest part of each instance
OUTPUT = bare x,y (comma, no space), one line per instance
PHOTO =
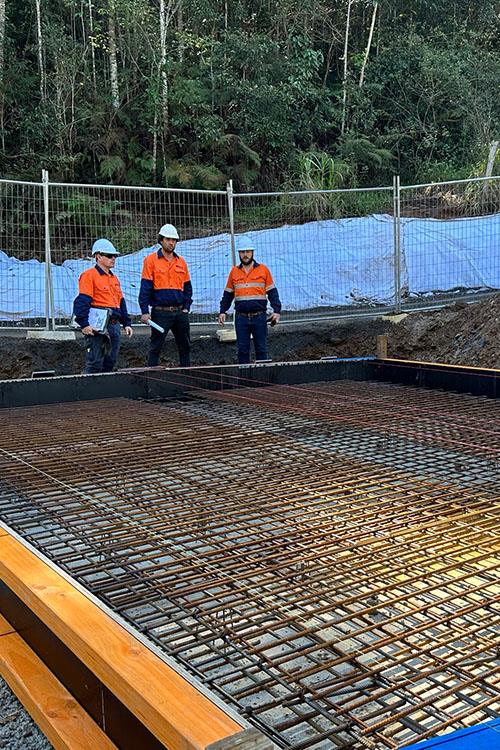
98,318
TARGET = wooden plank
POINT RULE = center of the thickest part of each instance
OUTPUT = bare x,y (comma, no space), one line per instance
442,365
249,739
5,626
59,716
382,347
171,708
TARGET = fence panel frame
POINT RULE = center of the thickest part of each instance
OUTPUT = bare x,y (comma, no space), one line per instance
230,201
454,208
328,313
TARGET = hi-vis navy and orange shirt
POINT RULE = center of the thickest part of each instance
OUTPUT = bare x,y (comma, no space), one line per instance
250,290
99,289
165,283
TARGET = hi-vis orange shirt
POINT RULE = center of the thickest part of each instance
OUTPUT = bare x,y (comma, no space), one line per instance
250,290
99,289
103,288
165,283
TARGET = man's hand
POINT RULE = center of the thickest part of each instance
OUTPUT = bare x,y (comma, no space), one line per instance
274,319
128,330
222,318
88,331
145,318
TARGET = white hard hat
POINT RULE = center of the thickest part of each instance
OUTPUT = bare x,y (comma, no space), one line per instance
244,243
169,231
104,246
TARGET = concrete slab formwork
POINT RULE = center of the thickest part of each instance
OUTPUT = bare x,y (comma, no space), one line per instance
314,546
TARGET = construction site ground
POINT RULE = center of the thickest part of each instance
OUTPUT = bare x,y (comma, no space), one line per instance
462,333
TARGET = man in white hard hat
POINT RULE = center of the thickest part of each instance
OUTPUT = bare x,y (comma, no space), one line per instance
250,285
99,289
165,296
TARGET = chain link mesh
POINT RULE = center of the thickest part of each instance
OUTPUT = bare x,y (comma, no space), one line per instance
131,218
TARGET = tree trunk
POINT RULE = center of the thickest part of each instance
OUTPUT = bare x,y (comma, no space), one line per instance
489,166
163,63
41,65
2,56
113,65
155,145
91,42
344,80
180,29
368,45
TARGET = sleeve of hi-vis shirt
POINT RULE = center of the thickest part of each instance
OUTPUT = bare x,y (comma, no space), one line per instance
146,290
81,305
126,320
272,292
188,290
228,295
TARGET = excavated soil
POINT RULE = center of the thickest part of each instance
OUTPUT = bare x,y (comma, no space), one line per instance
459,334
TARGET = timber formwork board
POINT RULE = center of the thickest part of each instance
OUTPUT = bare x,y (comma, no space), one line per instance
323,557
97,680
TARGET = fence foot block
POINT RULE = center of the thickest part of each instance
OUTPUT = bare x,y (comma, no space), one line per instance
52,335
395,318
226,335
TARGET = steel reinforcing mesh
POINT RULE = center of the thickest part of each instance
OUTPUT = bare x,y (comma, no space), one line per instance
324,557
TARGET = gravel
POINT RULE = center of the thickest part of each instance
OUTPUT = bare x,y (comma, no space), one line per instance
18,731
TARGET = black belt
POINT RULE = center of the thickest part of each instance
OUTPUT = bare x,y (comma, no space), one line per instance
163,308
114,319
251,315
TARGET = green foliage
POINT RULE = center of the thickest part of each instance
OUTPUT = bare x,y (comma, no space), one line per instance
83,217
252,92
188,174
111,167
127,239
317,170
363,155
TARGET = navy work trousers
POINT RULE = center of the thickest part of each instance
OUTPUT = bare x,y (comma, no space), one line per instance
177,322
102,352
256,328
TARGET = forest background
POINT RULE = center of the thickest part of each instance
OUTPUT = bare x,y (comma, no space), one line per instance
272,94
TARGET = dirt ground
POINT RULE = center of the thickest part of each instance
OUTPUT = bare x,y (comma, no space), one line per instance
459,334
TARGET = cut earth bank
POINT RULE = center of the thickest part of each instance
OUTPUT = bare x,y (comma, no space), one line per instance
458,334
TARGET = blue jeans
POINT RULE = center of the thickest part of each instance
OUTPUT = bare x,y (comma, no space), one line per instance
255,327
177,322
102,352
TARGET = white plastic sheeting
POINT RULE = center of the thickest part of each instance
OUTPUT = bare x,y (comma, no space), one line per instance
315,265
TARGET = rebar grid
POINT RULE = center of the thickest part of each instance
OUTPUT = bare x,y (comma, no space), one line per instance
325,557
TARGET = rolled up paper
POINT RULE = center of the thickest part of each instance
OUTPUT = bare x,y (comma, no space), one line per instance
156,326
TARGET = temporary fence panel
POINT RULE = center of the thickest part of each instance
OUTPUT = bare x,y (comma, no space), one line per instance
130,217
449,240
23,294
329,251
